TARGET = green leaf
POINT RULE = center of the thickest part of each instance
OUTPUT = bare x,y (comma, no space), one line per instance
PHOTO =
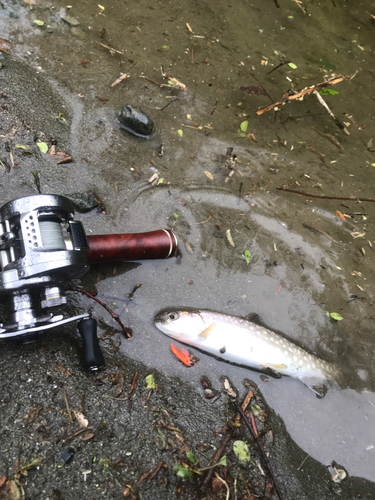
165,48
328,92
180,133
247,256
327,314
42,146
243,128
182,471
39,23
292,65
162,440
242,451
104,462
223,461
150,382
191,457
176,215
244,125
336,316
25,148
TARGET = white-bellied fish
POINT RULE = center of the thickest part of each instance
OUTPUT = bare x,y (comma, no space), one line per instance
244,342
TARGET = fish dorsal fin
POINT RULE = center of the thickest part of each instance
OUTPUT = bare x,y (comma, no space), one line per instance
206,332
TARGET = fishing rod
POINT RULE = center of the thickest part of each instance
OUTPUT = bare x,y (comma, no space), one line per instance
42,248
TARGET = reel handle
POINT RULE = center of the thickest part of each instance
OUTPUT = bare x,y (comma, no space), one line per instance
94,359
159,244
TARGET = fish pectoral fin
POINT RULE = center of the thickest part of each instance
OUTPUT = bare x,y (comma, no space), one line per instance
273,369
275,366
206,332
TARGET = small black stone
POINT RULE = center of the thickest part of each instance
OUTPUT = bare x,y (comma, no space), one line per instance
136,122
67,455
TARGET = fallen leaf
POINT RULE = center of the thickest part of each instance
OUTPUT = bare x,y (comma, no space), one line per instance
83,422
25,148
188,248
31,416
228,389
62,369
150,382
340,214
102,98
229,236
88,436
209,175
257,90
67,159
358,234
42,146
5,46
241,449
120,386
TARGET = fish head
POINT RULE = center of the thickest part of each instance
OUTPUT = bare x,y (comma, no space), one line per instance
181,325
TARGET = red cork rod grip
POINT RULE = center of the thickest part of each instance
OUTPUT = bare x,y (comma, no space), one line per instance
159,244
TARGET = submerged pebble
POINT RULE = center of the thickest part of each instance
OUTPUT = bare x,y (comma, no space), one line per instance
136,122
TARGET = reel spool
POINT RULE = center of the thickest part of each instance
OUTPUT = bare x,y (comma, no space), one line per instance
41,249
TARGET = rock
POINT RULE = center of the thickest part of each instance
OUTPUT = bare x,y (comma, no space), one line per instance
136,122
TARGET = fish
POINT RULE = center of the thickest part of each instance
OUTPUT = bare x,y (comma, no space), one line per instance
244,342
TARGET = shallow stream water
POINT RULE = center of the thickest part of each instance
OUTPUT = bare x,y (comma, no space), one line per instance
305,259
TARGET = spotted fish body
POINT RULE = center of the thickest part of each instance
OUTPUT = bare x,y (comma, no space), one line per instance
243,342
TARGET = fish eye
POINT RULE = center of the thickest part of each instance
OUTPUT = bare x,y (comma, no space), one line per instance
172,315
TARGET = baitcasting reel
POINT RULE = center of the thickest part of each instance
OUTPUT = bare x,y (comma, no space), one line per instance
42,248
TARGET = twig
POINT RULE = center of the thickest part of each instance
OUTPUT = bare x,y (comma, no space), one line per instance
115,316
323,197
204,221
149,80
122,77
278,66
310,228
170,102
109,48
300,95
68,408
300,5
260,449
227,437
213,109
113,397
336,120
307,456
224,482
133,383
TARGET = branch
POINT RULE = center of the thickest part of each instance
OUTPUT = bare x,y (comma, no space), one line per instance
115,316
300,95
323,197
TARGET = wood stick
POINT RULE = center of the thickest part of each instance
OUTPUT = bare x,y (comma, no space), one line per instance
323,197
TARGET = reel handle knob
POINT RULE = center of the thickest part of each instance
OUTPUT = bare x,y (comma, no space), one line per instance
94,359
